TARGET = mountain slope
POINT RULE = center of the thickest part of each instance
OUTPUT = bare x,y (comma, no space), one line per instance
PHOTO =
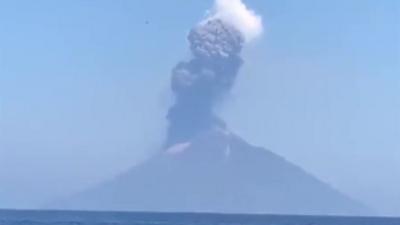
217,172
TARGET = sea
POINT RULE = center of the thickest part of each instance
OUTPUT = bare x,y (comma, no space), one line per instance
17,217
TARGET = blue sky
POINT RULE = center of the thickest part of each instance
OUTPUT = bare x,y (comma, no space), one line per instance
84,89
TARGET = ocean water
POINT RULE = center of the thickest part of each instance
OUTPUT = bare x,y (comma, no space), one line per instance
12,217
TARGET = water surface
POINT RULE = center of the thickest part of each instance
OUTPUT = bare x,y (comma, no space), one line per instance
15,217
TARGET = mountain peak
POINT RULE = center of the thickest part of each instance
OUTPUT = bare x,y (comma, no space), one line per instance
217,171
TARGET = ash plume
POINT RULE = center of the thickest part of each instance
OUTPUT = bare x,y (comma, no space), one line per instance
200,82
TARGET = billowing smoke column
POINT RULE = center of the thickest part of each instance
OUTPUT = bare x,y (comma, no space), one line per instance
201,82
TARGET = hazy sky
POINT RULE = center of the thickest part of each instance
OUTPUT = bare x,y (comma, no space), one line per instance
84,90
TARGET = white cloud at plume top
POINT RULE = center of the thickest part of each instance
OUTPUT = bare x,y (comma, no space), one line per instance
237,14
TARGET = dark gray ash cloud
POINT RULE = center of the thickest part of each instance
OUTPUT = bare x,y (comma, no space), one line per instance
201,82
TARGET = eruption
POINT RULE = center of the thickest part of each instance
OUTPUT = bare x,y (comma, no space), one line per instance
203,169
200,82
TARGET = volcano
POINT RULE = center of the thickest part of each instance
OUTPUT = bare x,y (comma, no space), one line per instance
203,167
217,171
